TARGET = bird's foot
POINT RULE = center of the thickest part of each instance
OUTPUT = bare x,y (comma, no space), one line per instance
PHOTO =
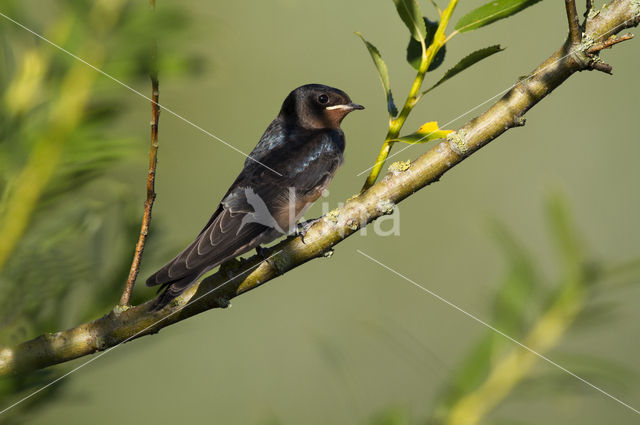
303,227
262,252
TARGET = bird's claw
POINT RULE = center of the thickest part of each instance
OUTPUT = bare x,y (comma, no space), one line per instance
302,228
262,252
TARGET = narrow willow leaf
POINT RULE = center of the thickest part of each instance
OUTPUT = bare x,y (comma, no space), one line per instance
383,73
414,49
491,12
411,15
426,133
466,62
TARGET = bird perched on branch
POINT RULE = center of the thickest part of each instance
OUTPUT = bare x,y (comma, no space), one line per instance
286,172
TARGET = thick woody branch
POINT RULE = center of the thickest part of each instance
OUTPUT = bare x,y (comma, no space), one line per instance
238,277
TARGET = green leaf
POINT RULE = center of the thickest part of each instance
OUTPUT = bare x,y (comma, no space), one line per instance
491,12
466,62
426,133
383,73
414,49
411,15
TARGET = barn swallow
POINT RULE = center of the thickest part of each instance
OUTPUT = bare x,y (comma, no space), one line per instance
294,161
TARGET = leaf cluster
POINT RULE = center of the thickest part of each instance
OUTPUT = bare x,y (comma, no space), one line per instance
426,52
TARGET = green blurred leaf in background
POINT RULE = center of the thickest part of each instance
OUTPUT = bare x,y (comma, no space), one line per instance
68,218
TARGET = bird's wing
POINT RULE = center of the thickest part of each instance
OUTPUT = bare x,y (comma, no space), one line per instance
226,236
255,210
307,163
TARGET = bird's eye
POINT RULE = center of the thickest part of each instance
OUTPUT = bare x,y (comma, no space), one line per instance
323,98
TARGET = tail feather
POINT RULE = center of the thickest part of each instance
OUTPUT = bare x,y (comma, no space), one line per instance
170,290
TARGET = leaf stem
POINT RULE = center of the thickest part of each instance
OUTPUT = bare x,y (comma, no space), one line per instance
450,36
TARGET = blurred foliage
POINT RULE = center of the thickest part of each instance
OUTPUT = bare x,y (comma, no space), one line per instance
391,416
69,224
537,311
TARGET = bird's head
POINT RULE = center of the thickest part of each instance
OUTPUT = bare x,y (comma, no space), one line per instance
317,106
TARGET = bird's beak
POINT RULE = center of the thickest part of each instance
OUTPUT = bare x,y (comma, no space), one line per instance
348,107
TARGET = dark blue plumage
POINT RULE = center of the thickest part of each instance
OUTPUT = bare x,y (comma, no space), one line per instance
294,161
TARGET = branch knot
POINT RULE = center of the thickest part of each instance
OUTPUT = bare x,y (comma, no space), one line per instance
458,142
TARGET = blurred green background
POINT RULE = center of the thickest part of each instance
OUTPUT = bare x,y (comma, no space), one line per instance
340,340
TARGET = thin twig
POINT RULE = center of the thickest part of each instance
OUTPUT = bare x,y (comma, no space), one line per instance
608,43
151,194
575,32
602,67
589,9
151,176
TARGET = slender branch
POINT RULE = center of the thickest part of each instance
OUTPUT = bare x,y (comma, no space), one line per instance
575,32
602,67
240,276
588,10
609,42
151,175
151,194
